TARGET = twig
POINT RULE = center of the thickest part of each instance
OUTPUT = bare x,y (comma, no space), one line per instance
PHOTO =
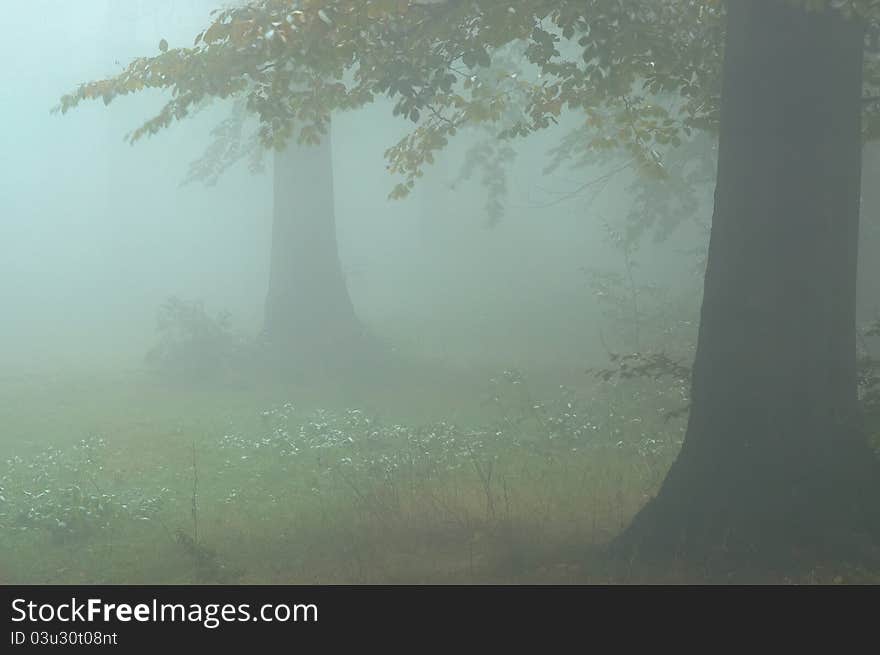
195,495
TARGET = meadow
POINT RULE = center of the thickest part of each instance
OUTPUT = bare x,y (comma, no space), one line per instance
124,479
119,478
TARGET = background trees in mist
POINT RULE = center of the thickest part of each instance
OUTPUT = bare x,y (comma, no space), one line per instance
309,314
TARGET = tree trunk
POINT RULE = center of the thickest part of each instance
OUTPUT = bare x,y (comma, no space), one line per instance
869,243
775,460
309,315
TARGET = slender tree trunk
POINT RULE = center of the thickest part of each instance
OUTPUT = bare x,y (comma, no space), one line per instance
309,315
775,458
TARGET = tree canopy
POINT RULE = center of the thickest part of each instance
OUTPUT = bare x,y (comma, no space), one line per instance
643,75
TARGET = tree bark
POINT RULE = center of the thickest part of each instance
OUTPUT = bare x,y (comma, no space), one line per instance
775,460
869,242
309,314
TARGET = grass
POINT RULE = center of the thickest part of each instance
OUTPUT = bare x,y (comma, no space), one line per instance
439,477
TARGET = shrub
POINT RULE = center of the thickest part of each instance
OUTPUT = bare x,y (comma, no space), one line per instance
193,344
67,494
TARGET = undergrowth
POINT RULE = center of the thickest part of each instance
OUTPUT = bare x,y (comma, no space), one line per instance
341,496
301,495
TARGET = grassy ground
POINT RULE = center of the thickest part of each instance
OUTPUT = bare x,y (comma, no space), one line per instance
429,476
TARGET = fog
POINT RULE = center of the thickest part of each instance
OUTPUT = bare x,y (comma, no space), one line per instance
96,233
228,359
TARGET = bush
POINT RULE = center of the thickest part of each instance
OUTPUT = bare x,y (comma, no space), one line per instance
68,495
194,345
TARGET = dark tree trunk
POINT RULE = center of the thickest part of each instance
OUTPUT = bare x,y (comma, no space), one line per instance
309,315
775,460
869,243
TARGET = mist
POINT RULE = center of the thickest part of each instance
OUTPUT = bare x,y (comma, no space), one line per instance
525,318
97,233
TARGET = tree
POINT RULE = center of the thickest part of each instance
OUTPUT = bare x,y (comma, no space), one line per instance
309,319
775,457
775,445
869,241
309,315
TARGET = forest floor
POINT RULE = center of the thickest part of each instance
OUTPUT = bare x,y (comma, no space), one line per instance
430,477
